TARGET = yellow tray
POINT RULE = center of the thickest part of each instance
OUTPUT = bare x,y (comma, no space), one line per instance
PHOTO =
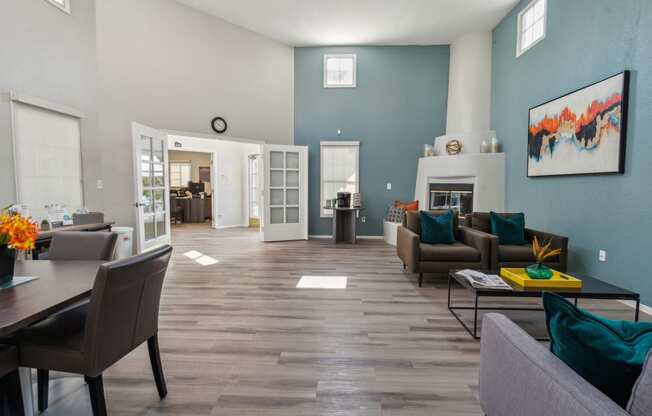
558,281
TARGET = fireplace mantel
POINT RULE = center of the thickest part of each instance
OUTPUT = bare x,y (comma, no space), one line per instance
486,171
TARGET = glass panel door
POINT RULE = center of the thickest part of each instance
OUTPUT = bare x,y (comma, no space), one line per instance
152,187
286,193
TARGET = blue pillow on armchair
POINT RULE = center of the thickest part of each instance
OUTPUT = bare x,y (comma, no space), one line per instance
437,229
510,230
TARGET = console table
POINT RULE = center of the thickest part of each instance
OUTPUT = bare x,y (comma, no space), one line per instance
344,220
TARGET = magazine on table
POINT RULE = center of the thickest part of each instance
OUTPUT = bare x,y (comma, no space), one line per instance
484,281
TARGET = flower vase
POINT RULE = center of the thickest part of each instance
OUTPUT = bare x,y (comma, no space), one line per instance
7,262
539,271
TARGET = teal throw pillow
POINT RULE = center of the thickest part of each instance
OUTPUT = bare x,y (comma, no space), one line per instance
437,229
608,354
510,230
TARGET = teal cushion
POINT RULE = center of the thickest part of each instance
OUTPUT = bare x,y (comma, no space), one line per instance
510,230
437,229
608,354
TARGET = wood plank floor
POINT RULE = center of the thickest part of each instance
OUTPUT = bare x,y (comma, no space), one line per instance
238,338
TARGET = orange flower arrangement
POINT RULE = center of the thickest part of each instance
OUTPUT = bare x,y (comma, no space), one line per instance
17,232
543,251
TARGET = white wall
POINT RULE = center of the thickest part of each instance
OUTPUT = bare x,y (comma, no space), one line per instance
469,88
48,54
168,66
230,191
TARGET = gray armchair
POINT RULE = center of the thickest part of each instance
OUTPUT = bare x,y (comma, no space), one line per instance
471,249
513,255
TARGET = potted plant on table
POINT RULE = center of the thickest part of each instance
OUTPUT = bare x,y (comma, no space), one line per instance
541,253
17,233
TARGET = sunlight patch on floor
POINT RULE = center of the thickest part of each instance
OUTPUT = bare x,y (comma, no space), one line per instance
322,282
192,254
200,258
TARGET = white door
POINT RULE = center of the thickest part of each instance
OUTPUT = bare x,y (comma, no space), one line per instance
152,187
285,202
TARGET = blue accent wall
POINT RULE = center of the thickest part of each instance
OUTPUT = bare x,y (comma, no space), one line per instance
586,41
399,104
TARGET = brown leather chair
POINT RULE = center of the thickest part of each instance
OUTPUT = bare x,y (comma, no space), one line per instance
11,396
514,255
121,315
82,245
470,251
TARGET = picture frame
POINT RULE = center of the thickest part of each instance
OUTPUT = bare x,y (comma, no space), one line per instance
582,132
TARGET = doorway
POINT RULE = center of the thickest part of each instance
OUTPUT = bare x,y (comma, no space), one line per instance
257,187
191,190
219,171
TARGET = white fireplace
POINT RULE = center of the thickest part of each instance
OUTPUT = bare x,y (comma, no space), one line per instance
485,171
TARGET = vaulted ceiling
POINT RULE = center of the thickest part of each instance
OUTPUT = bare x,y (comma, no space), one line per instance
359,22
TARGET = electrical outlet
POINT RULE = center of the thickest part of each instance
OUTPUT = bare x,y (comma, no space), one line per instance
363,219
389,186
100,184
602,255
339,132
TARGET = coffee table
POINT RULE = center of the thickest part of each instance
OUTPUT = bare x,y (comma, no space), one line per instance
592,288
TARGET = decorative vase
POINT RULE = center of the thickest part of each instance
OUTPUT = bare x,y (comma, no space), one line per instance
7,262
454,147
539,271
494,145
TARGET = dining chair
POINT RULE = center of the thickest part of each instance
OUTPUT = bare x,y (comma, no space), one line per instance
121,315
10,391
82,245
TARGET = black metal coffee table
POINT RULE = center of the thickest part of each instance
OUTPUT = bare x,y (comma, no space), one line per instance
592,288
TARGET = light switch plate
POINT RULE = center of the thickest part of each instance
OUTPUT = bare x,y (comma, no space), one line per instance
389,186
602,255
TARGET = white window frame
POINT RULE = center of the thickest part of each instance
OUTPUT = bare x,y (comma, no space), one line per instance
16,99
340,56
355,144
63,5
180,162
519,26
254,183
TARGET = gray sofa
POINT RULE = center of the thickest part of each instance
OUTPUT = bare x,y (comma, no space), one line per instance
521,377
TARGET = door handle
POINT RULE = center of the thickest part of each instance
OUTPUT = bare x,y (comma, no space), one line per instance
139,204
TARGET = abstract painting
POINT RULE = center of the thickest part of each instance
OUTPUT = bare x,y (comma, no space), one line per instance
582,132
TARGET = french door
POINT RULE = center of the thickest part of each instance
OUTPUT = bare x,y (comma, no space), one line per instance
152,187
285,214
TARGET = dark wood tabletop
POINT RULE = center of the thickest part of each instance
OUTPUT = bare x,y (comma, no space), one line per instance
59,284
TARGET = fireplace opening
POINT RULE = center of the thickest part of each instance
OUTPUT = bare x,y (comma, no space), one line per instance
456,196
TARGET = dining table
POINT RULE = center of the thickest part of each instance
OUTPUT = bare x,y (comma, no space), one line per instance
57,285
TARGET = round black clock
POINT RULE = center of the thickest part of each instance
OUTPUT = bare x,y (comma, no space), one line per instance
219,125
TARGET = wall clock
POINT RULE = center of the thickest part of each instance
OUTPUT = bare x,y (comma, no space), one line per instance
219,125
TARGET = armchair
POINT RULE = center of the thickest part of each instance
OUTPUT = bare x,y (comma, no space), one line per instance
471,249
517,256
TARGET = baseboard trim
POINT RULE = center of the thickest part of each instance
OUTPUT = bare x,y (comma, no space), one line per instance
231,226
359,237
643,308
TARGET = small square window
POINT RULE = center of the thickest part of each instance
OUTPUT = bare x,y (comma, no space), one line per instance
63,5
531,26
339,71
